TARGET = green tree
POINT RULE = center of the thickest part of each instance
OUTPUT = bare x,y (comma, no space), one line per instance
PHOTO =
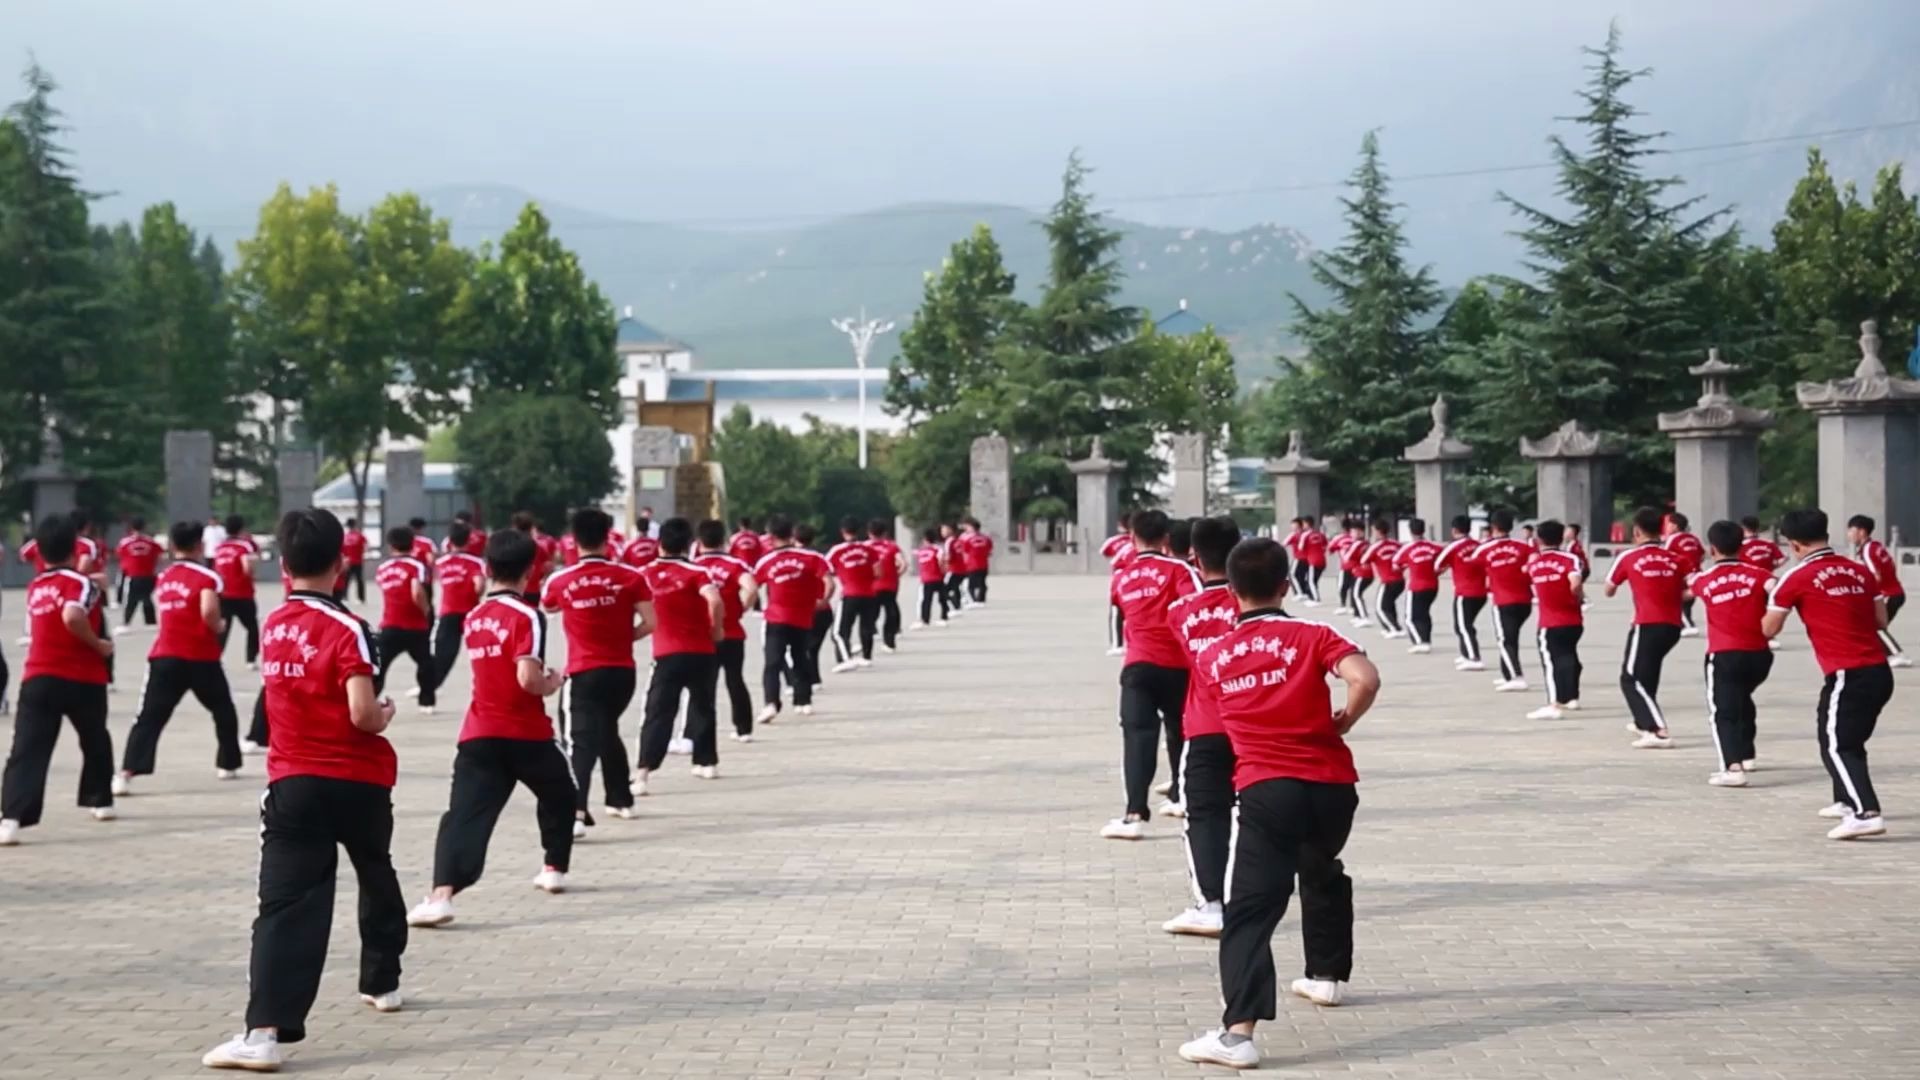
928,477
544,454
951,349
1190,386
766,467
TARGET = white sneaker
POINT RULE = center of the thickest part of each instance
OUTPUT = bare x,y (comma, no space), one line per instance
1510,686
624,813
579,829
1309,603
1750,766
1546,712
431,912
742,738
1122,829
1212,1049
1774,644
863,662
1320,991
1343,611
1853,828
253,665
1689,631
1728,778
1473,665
226,774
1393,634
387,1002
680,746
122,784
1200,921
1653,740
1172,809
550,880
426,710
804,710
845,666
122,631
888,648
640,783
1116,651
706,772
9,832
104,813
1163,787
1899,660
1420,650
918,626
412,692
1362,623
251,748
254,1051
1836,811
1571,706
769,714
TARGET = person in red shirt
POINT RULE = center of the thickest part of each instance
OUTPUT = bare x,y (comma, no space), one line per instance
1357,559
852,560
1657,575
1503,557
476,538
1382,558
233,560
1692,553
65,678
1530,537
353,553
640,552
1556,577
1469,590
734,579
1757,550
889,562
185,658
1153,677
461,578
689,620
604,608
330,775
423,548
1886,578
1343,547
747,544
979,560
139,558
542,558
1197,620
957,567
1415,563
1734,592
794,581
1837,600
1313,548
506,740
405,615
929,560
1576,549
1294,781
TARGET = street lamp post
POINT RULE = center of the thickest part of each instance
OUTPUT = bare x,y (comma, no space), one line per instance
861,332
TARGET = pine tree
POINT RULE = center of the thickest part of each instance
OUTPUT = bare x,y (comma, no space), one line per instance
951,348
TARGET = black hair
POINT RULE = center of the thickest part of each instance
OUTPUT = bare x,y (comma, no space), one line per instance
465,516
590,527
1551,532
309,542
746,523
1501,519
57,538
353,523
510,553
931,534
523,521
880,529
1680,521
417,524
781,526
1150,526
1861,522
851,528
80,518
1805,526
1180,537
1213,540
1126,519
676,536
803,534
400,539
712,534
1573,528
1647,520
235,524
1725,537
1257,569
459,533
1750,523
185,535
137,523
1383,526
1463,523
1417,526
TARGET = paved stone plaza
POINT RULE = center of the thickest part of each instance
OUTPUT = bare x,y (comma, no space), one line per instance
910,885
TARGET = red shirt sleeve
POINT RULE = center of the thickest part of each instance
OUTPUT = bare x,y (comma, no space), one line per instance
353,653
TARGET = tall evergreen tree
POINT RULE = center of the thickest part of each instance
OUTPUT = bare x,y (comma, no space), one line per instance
952,346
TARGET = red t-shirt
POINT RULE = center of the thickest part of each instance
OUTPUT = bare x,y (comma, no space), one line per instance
794,579
747,547
886,565
138,555
1268,677
640,551
1658,577
1313,547
395,579
927,558
236,582
1144,589
681,621
477,542
1116,549
184,633
1416,562
545,549
86,555
461,576
1469,577
959,560
423,551
51,648
1553,574
1761,552
852,562
1352,550
1734,594
1504,560
353,548
309,648
30,553
1835,598
726,572
1381,559
1886,573
1198,620
1688,549
569,550
979,550
500,632
598,601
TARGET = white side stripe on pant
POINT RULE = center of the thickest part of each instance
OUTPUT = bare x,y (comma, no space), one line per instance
1633,653
1833,739
1186,837
1233,853
1546,661
1713,714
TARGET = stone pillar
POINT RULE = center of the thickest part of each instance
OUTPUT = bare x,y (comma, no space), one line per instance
990,488
406,495
54,481
656,458
1189,476
1573,469
1097,483
1869,442
189,462
1716,450
1439,461
299,470
1296,483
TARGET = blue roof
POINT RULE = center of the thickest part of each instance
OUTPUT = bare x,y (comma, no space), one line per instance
693,387
1181,323
635,332
340,489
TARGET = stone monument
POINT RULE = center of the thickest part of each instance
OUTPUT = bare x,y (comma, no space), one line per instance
1439,461
189,463
1716,449
298,471
406,488
1097,491
1869,442
1296,483
990,487
1573,470
54,481
1189,476
656,460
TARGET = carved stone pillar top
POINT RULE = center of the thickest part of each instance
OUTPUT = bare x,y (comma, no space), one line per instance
52,466
1439,445
1717,413
1571,440
1869,390
1096,461
1296,460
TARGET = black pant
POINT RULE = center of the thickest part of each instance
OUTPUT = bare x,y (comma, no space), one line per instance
858,612
257,731
1647,648
1313,581
789,651
818,637
1850,705
395,642
45,700
1387,603
732,656
1300,572
1283,828
304,820
1508,622
591,704
357,574
1887,640
1466,612
1560,656
931,591
139,592
168,680
954,581
6,677
1347,583
484,773
449,642
1420,615
1206,781
889,605
1686,612
695,674
1152,701
977,586
247,613
1732,678
1360,585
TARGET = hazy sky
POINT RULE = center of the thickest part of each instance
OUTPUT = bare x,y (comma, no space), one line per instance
731,111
